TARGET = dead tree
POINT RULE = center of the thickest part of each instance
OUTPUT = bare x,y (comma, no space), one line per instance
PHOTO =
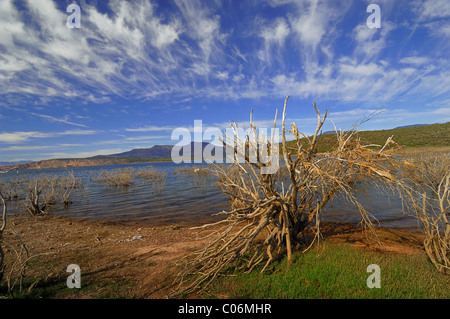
432,210
437,228
66,185
33,202
268,214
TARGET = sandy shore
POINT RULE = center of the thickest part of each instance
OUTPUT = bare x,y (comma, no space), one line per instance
140,261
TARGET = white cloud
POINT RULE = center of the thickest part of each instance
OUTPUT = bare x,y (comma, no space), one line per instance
10,24
439,29
165,35
83,154
64,120
132,140
151,128
348,80
19,137
434,84
311,26
238,77
103,54
201,25
276,33
371,42
435,9
27,148
315,20
433,15
415,60
222,75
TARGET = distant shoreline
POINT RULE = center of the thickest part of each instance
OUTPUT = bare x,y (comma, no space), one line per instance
73,162
87,162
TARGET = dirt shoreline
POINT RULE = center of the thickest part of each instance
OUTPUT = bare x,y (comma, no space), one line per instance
126,260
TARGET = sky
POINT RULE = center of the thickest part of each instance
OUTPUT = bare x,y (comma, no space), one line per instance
136,70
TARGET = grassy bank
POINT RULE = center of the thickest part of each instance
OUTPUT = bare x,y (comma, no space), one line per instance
407,137
338,271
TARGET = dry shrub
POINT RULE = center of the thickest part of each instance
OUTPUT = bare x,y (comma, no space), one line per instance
156,177
193,171
427,168
436,226
200,176
13,188
66,185
426,194
40,194
125,177
118,177
270,212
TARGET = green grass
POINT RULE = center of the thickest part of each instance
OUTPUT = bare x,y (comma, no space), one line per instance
339,271
408,137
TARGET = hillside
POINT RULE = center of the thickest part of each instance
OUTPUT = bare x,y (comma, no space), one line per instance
407,137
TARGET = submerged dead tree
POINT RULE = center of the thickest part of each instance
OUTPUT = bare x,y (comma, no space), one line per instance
270,210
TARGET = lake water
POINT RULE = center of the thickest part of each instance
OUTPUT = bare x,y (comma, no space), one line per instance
183,200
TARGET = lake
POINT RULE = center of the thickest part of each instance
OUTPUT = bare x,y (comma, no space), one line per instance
183,200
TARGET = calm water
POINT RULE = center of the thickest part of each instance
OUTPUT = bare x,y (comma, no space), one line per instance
183,200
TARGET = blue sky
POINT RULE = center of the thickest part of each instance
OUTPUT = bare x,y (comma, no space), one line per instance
136,70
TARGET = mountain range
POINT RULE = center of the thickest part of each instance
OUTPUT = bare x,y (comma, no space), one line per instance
154,153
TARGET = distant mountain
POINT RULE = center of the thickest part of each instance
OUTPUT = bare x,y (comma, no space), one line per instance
328,132
157,151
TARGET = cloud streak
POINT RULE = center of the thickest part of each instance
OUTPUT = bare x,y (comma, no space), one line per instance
20,137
